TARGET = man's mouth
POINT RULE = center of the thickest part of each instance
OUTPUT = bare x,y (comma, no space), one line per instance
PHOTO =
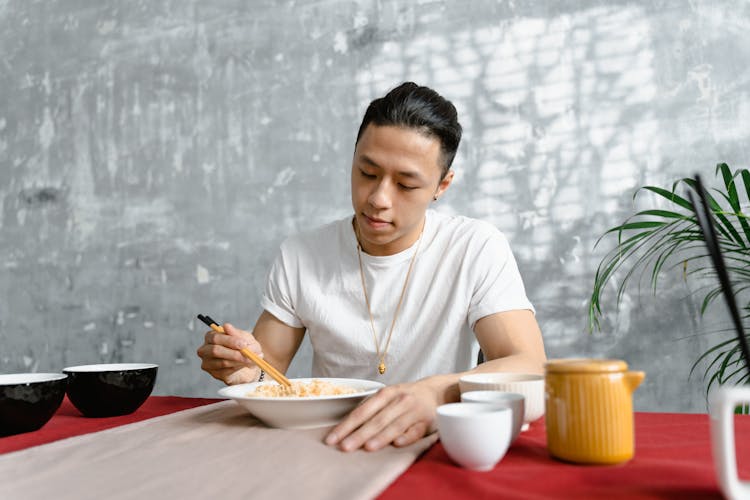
374,221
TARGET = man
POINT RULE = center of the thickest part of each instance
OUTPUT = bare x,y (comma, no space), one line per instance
397,293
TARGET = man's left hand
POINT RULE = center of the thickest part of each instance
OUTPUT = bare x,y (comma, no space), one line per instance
398,414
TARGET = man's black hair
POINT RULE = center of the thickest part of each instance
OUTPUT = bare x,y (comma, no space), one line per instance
416,107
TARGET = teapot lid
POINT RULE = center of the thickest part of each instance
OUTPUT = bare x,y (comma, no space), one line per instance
585,365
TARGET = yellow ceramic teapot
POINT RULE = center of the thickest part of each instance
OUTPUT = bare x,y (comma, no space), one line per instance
589,410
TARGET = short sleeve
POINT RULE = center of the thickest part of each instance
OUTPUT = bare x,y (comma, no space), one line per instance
498,286
279,294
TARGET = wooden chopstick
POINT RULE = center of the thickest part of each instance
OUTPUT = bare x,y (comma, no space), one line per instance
262,363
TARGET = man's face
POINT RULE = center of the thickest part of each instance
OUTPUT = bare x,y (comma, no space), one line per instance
395,175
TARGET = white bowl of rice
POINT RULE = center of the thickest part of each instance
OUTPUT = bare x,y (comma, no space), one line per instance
311,402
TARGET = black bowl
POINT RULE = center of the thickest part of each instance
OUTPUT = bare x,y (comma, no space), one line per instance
111,389
28,400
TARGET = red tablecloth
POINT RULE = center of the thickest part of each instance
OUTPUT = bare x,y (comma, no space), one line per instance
673,460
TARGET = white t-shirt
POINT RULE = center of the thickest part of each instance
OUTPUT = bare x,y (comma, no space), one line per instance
464,271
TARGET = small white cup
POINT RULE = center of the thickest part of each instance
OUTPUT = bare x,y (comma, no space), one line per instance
475,435
500,399
722,403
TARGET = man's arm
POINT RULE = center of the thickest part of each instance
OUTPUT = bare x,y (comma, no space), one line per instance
280,341
401,414
511,342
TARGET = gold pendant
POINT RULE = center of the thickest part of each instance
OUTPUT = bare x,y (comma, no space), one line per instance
381,368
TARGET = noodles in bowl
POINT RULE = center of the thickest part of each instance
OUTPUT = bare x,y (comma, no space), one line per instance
298,389
309,403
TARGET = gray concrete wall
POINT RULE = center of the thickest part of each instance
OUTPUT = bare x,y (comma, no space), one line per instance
154,154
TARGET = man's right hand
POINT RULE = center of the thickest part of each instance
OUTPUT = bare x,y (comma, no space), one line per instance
222,358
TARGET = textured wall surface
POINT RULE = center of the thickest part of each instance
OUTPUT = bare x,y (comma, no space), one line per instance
154,154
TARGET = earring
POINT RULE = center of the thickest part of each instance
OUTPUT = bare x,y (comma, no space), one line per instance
434,198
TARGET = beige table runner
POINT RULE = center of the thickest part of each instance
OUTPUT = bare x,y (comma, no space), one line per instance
214,451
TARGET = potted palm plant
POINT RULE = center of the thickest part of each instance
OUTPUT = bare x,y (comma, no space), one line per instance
649,241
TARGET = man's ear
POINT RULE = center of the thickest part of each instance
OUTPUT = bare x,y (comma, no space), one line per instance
444,184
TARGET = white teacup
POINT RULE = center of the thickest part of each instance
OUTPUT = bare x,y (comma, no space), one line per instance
722,403
500,399
475,435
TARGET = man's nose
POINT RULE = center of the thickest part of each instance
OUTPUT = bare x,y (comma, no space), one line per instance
380,197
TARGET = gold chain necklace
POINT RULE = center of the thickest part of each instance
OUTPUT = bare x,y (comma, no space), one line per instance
381,357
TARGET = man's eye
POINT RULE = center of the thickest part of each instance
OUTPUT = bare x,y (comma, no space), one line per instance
407,188
365,174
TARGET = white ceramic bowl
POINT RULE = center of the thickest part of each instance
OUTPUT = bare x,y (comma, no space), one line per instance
499,399
530,385
301,412
475,435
